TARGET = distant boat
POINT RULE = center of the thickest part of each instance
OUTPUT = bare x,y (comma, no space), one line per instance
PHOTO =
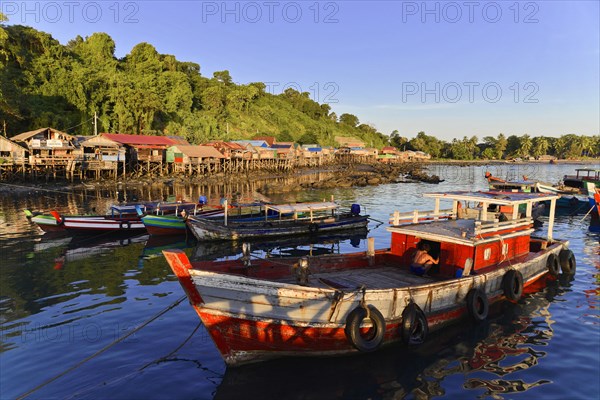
567,198
583,175
332,305
280,220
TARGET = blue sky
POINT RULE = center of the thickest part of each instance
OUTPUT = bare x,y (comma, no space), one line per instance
451,69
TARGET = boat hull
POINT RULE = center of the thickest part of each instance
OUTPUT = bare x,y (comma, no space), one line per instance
103,224
204,229
256,313
164,225
47,223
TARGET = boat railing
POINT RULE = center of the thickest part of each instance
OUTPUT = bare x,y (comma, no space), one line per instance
484,227
415,217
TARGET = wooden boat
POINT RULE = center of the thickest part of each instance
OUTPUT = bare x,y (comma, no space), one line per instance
582,175
119,220
290,219
54,222
161,225
343,304
567,199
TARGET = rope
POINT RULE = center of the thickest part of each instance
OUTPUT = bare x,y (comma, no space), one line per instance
47,190
123,377
588,213
65,130
102,350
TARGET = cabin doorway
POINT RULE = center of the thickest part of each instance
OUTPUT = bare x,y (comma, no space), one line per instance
434,251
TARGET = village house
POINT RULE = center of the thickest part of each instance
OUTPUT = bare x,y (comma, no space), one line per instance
47,146
190,158
230,149
11,151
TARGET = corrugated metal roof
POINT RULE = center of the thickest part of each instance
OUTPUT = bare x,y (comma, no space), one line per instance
26,135
139,139
98,141
199,151
255,143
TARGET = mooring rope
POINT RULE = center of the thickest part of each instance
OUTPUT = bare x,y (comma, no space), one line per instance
102,350
47,190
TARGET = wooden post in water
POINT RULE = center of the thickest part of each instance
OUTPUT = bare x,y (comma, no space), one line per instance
371,250
225,210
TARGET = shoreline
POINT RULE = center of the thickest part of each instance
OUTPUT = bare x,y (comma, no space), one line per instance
342,175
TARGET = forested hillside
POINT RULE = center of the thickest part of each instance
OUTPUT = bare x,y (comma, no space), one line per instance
44,83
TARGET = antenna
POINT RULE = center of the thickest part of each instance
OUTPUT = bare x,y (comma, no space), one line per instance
95,124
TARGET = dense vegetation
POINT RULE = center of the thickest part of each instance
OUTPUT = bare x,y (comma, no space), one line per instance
44,83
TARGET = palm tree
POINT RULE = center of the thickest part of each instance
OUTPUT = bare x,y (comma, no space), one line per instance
540,146
525,146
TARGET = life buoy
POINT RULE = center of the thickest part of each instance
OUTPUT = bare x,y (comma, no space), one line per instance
313,228
477,304
124,225
512,285
414,328
567,262
553,265
373,338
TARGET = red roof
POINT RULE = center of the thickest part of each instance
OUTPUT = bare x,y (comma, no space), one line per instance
135,140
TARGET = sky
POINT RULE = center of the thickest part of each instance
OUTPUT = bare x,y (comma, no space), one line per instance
448,68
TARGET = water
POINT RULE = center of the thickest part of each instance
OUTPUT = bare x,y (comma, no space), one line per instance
63,300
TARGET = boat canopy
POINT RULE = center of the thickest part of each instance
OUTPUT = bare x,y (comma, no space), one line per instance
500,198
302,207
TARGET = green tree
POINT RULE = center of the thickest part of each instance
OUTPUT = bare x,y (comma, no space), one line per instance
540,146
349,119
525,145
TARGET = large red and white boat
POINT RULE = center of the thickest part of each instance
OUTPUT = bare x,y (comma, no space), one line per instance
340,304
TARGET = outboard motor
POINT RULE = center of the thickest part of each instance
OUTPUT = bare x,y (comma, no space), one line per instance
355,209
202,200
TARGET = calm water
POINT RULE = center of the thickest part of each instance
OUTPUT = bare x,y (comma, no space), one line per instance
64,299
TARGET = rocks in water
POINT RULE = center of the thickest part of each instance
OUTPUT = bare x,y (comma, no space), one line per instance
359,175
423,177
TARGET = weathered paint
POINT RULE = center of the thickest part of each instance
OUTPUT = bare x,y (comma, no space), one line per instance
206,229
254,315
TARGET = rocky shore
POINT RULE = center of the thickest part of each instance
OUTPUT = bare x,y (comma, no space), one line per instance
360,175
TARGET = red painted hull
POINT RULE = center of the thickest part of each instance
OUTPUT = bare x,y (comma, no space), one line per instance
242,340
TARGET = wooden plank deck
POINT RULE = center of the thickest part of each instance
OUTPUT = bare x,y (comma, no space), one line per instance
371,278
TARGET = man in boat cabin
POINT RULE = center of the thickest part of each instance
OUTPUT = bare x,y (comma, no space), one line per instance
422,261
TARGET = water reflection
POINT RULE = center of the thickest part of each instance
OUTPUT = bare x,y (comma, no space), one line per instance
499,347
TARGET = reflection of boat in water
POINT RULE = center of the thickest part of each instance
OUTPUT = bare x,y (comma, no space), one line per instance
297,246
156,244
481,354
80,248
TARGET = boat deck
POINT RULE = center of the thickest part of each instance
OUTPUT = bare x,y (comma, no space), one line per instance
370,278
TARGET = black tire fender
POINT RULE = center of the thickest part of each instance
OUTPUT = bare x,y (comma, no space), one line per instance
512,285
477,304
371,340
553,265
568,264
313,228
124,225
414,328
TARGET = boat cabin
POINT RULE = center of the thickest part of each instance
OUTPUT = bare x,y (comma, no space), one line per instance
471,242
581,176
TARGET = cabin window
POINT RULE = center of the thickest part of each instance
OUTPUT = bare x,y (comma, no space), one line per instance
487,253
504,249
